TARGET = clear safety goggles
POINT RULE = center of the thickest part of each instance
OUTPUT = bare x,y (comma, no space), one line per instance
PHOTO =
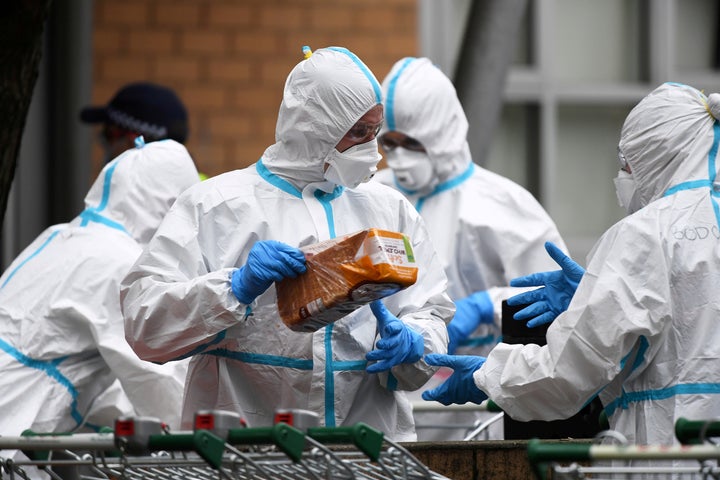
363,131
389,143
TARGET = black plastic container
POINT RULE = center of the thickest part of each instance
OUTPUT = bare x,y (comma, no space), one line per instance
585,424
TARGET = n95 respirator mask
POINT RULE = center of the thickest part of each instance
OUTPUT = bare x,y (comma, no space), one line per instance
355,165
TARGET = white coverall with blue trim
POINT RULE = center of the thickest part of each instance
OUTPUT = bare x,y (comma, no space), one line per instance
177,299
64,362
642,326
486,228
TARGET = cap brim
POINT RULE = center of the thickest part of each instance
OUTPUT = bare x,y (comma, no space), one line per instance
93,114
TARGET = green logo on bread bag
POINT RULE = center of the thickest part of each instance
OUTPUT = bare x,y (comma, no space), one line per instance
408,249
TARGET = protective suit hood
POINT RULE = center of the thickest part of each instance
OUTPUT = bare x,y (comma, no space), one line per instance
134,191
324,96
417,91
666,139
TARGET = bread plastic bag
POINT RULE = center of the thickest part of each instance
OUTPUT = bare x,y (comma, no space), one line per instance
344,274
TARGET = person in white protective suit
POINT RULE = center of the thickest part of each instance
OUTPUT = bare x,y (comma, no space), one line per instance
64,363
204,286
486,228
641,326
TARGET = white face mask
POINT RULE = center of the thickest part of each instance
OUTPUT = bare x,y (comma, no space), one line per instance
413,170
626,191
355,165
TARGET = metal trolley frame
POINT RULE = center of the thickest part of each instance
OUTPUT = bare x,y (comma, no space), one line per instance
696,457
140,449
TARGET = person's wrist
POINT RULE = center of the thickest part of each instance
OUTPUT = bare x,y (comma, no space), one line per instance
238,289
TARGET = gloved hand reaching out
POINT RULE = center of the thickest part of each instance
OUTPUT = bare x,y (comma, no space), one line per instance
460,387
398,343
558,289
471,311
269,261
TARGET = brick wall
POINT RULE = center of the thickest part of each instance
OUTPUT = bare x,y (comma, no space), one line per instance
228,59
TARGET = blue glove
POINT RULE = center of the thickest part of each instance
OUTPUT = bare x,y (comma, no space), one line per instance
398,343
269,261
460,387
558,289
471,311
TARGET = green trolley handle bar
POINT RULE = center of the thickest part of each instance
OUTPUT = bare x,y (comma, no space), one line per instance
493,407
37,446
364,437
694,432
211,447
288,439
540,453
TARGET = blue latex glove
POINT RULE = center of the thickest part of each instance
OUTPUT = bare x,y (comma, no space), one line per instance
398,343
471,311
558,289
268,261
460,387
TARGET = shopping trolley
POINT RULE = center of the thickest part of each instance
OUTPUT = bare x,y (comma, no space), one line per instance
219,447
696,458
478,429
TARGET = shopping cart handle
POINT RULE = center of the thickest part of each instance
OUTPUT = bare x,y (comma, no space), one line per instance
493,407
38,445
206,444
541,453
695,432
367,439
288,439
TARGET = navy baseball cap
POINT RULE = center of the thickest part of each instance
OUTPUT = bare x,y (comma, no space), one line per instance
146,108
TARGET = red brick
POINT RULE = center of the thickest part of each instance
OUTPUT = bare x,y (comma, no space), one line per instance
221,14
128,12
151,41
229,70
174,68
109,42
254,43
124,69
257,98
332,18
204,42
290,16
229,59
177,14
203,97
275,72
245,154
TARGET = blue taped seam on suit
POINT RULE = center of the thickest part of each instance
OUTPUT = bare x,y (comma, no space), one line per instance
447,185
201,348
273,179
50,369
364,69
627,398
390,100
712,174
36,252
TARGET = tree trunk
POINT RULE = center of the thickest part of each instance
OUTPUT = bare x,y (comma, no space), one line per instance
21,36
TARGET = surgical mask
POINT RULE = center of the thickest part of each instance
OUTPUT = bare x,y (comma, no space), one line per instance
626,191
355,165
413,169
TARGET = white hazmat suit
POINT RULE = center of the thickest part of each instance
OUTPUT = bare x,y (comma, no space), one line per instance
178,302
642,326
64,362
486,228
